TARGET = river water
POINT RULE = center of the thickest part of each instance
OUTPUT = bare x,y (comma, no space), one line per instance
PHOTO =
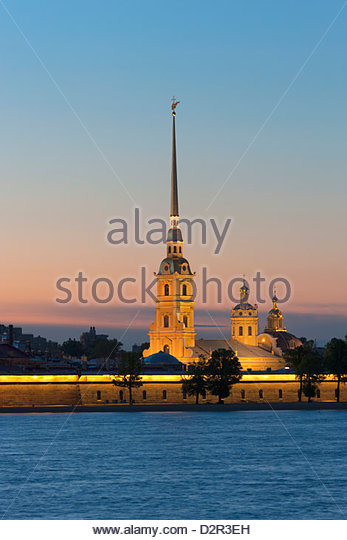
167,465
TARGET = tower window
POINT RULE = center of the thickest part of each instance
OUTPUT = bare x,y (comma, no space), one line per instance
180,249
233,331
166,349
240,313
164,394
166,290
121,395
175,249
98,395
169,249
185,321
261,394
166,321
184,290
144,394
250,313
240,331
249,330
243,394
280,394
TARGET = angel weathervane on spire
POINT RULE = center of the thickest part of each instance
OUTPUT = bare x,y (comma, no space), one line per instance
174,105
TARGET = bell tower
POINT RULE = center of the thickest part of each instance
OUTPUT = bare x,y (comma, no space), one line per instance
275,317
173,328
244,319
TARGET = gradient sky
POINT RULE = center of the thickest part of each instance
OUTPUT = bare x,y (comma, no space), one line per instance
85,121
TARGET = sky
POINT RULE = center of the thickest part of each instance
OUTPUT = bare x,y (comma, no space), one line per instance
85,138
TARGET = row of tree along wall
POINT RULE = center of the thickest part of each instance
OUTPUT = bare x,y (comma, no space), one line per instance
156,389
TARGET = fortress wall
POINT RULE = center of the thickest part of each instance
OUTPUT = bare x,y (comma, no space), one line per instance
37,394
251,389
108,393
94,393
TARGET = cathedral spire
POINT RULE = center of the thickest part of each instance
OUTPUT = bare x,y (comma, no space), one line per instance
174,188
174,240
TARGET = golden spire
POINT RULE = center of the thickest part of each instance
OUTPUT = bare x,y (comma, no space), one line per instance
174,188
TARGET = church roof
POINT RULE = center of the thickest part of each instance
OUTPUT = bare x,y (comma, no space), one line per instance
174,235
174,264
206,346
161,358
246,305
275,311
285,340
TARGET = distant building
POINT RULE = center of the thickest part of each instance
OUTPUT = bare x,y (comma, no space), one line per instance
89,338
33,345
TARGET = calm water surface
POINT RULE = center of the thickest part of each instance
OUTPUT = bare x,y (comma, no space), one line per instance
191,465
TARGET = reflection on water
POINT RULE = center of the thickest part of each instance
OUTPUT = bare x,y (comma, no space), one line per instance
239,465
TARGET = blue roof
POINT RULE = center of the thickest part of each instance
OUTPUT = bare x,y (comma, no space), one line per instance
161,358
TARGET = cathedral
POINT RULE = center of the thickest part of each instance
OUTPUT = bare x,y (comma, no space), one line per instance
172,334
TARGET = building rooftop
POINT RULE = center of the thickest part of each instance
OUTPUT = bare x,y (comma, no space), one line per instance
206,346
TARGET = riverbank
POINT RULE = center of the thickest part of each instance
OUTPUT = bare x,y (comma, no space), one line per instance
206,407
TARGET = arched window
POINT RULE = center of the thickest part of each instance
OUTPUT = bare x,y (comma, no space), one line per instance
164,394
243,394
240,331
166,321
233,330
144,394
185,320
280,394
184,290
166,290
180,249
98,395
121,395
169,249
175,249
249,330
166,349
261,394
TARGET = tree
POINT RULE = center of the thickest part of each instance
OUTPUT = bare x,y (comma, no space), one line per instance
294,357
313,373
223,370
196,382
73,348
308,366
335,356
128,370
105,348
